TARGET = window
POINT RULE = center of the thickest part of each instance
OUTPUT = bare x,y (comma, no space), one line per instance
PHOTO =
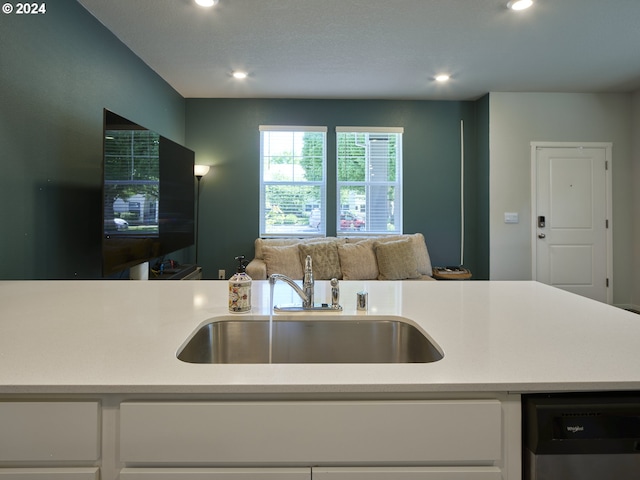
369,180
131,181
292,181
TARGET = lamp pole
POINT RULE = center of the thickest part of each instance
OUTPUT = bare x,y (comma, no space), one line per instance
199,177
199,171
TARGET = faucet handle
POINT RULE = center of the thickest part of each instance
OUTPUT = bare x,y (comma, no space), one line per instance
335,292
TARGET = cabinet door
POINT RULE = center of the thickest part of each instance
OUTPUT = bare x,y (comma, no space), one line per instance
445,431
49,431
407,473
91,473
215,474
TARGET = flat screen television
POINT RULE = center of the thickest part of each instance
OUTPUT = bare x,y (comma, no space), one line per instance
148,195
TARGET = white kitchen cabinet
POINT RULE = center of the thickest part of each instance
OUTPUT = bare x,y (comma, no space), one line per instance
215,474
49,473
312,433
407,473
46,431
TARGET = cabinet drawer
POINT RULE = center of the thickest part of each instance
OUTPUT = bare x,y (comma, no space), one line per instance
49,473
49,431
215,474
408,473
311,432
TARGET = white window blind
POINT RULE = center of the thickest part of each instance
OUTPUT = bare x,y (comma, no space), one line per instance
131,181
292,180
369,180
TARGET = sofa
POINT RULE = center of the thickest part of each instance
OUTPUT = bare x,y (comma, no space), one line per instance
389,257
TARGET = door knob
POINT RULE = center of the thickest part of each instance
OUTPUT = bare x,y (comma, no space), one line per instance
542,235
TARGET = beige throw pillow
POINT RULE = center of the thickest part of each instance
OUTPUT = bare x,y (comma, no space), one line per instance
396,260
422,254
284,260
260,243
324,255
419,250
358,261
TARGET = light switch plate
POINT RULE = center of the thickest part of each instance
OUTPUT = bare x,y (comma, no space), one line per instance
511,217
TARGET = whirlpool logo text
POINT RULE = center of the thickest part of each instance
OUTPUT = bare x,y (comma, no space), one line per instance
576,429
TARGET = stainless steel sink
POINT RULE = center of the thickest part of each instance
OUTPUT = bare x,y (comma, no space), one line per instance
231,340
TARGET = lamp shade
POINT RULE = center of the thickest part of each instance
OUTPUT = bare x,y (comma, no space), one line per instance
206,3
200,170
519,4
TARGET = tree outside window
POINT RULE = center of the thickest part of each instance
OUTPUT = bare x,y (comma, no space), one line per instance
293,172
369,180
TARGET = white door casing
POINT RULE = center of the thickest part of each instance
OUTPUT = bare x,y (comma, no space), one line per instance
571,189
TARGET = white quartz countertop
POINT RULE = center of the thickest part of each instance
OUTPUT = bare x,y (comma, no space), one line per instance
122,337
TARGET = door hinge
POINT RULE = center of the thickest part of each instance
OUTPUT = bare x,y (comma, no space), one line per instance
606,164
606,223
607,283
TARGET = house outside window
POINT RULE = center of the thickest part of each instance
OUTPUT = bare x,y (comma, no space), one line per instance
293,167
369,180
131,181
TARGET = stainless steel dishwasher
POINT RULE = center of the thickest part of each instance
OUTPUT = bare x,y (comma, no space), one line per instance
581,436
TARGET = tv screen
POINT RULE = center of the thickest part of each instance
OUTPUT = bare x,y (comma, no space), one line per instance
148,195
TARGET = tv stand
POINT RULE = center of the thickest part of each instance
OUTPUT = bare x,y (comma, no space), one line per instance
182,272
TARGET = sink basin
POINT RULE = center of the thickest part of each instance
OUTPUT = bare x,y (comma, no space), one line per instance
388,340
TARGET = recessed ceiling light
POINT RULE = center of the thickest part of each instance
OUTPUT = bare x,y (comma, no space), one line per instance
239,75
206,3
443,77
519,4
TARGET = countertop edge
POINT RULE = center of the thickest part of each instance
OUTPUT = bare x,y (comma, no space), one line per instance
409,389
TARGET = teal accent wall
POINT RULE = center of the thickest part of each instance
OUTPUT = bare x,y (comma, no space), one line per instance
477,203
224,134
59,70
57,73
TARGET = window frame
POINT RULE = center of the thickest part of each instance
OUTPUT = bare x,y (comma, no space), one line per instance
321,230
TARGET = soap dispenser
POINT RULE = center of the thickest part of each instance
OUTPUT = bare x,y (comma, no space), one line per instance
240,289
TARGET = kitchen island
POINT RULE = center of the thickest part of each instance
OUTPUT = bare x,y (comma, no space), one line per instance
103,353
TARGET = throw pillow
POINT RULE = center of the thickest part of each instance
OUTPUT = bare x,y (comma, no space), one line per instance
260,243
419,250
284,260
324,255
358,261
422,254
396,260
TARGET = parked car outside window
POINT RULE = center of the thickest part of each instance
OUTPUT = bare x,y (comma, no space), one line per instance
349,221
121,223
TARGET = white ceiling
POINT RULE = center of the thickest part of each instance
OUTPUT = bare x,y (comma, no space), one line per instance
381,49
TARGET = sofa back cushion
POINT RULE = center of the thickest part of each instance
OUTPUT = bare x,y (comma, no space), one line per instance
260,243
358,261
419,247
396,260
326,263
283,259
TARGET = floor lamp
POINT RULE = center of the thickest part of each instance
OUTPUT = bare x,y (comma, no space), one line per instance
199,171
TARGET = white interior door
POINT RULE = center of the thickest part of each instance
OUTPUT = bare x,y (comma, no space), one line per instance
572,229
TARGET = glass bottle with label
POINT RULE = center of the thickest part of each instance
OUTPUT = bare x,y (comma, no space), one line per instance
240,289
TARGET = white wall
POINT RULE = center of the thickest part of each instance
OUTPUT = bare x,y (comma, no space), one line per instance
515,120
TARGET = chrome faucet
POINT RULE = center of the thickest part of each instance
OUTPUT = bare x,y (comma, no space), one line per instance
306,293
307,282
